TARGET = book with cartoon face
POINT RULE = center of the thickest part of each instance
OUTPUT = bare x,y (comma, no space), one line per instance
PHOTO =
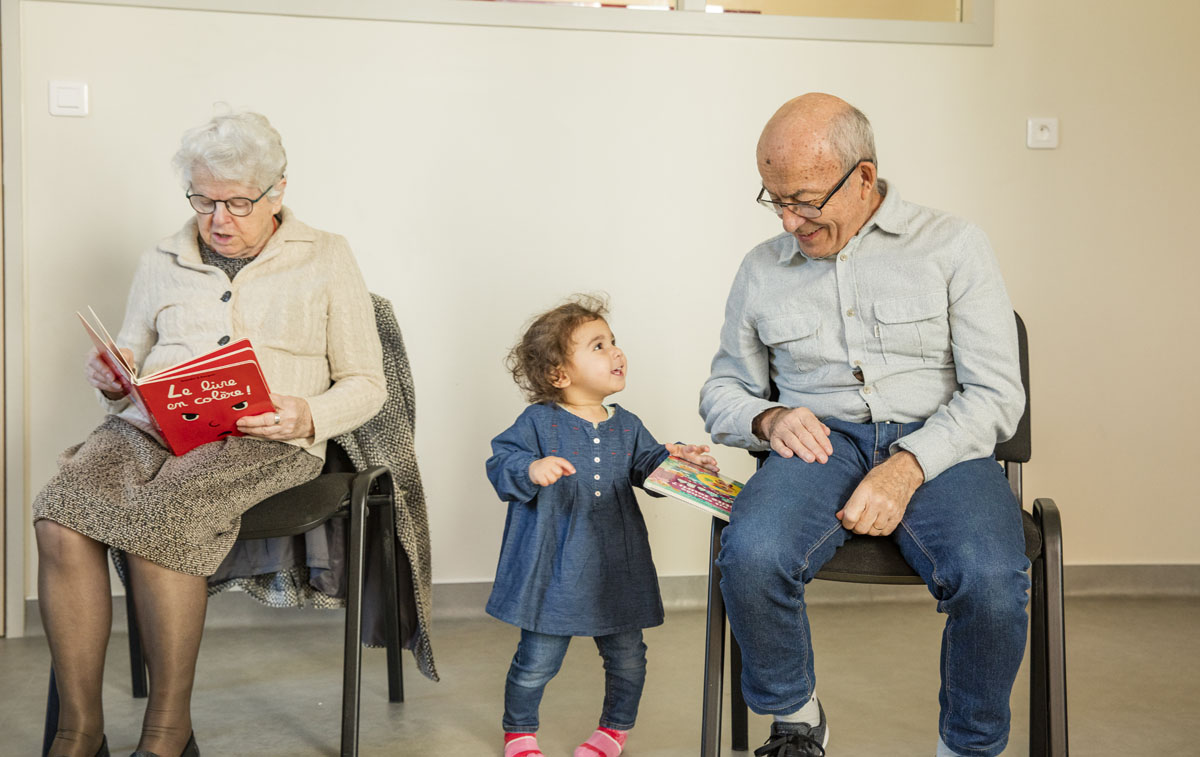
698,487
196,402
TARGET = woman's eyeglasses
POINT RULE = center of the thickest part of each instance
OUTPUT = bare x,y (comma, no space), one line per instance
237,206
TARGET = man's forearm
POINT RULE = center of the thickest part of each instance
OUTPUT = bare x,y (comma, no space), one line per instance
908,467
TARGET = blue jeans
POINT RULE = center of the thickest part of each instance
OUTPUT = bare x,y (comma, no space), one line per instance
961,533
538,659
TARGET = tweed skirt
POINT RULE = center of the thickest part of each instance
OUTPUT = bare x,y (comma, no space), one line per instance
124,489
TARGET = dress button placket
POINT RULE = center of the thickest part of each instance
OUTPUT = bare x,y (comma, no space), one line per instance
596,440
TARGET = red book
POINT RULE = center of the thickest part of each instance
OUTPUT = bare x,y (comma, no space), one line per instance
195,402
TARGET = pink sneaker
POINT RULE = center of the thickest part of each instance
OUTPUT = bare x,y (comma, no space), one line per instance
604,742
521,745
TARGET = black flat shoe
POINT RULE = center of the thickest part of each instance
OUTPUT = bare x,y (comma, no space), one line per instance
191,750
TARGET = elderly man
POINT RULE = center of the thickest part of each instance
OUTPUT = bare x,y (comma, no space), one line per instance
887,331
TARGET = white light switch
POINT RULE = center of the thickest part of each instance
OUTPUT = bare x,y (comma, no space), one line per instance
68,98
1042,133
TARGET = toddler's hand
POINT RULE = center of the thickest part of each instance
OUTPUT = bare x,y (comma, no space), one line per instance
548,470
694,453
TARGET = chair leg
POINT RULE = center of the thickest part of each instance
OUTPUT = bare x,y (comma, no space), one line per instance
1039,708
1045,514
137,658
391,600
714,651
352,661
738,714
51,727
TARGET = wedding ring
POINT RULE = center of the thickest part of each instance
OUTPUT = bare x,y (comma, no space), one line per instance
276,419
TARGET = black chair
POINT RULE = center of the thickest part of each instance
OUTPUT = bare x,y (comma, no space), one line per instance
877,560
338,492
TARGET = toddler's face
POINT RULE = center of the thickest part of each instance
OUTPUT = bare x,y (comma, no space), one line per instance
596,366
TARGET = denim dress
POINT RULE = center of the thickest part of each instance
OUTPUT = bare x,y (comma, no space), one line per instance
575,558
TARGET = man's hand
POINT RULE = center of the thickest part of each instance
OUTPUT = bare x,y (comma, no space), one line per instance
549,469
291,419
794,431
878,503
694,453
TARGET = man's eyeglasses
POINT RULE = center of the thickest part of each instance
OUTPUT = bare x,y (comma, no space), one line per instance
237,206
805,209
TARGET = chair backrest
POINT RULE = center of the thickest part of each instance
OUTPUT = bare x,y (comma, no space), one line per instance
1017,449
336,459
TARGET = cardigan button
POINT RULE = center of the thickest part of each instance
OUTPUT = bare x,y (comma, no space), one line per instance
225,297
223,340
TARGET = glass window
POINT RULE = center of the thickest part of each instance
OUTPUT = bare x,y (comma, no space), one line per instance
896,10
652,5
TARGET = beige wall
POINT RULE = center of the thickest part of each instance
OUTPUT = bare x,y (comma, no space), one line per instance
483,173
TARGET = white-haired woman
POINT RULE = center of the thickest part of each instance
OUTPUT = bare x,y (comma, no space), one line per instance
242,266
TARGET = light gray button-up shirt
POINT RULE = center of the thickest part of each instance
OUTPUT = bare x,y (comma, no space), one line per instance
914,301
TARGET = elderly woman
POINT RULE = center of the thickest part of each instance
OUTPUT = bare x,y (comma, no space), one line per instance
242,266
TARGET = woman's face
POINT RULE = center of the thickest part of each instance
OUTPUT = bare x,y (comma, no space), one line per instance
229,235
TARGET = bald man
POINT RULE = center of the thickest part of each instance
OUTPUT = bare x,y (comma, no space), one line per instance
886,330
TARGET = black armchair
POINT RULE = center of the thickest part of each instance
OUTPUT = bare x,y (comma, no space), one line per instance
878,560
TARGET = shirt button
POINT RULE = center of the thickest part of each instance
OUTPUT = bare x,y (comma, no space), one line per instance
858,362
850,312
595,441
843,256
597,494
596,459
597,477
866,390
223,340
225,297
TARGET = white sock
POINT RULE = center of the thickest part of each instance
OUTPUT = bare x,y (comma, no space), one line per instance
809,714
945,751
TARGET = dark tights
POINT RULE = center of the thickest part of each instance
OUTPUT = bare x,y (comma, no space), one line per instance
76,604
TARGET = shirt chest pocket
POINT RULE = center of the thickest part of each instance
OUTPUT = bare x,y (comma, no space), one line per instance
795,335
914,329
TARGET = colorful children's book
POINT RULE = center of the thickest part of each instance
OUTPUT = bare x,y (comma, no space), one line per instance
694,485
195,402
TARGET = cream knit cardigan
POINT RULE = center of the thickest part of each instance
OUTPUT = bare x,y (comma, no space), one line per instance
302,303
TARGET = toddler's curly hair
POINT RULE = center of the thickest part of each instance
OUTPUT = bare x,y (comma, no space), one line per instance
546,344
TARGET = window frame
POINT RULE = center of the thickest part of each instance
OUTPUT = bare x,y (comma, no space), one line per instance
976,28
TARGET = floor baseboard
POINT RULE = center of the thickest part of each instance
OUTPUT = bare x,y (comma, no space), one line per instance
453,601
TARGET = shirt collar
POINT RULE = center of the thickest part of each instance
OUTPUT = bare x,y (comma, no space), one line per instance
889,217
183,243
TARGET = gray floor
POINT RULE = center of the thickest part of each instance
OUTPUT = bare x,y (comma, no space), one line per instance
1133,687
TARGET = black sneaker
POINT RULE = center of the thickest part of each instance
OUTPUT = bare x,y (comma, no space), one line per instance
796,739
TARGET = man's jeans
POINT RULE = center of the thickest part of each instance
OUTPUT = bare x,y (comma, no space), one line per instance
538,659
961,533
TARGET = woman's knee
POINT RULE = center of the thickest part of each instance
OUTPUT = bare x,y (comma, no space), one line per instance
57,544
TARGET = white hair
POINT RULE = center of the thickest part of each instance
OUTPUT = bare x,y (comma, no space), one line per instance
851,137
239,147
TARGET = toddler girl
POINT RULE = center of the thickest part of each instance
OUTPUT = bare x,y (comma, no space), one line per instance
575,559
